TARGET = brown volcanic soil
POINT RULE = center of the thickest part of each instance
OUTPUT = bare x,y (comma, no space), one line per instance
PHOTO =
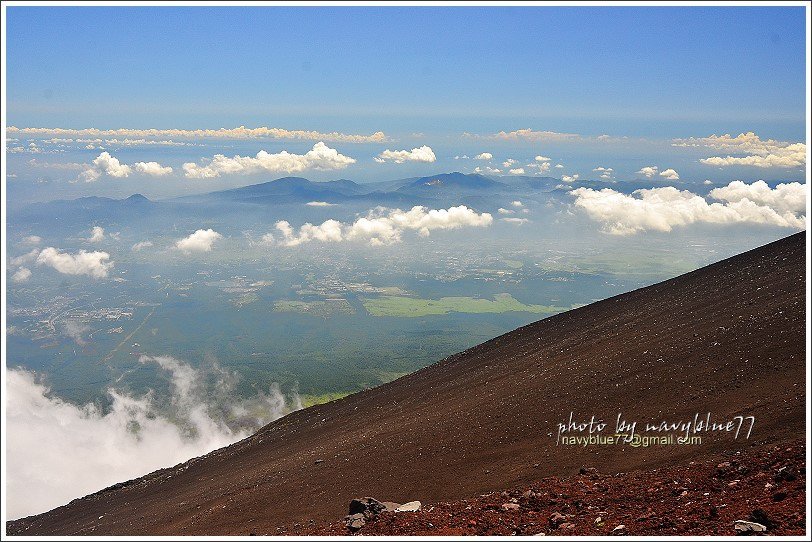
727,339
705,497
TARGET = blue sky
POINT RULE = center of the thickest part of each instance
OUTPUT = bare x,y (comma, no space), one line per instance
421,75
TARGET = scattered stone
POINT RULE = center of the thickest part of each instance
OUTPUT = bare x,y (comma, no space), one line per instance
510,506
556,519
367,506
785,474
412,506
317,461
567,526
723,465
741,527
760,516
619,530
779,496
355,521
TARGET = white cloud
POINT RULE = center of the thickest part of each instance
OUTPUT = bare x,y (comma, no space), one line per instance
761,153
503,211
570,178
105,164
241,132
559,166
200,241
517,171
25,258
21,275
648,172
483,156
58,451
542,167
319,204
96,234
528,134
670,174
517,203
152,168
327,231
141,245
605,172
661,209
517,221
419,154
93,264
785,197
487,170
509,162
32,240
320,157
540,158
381,226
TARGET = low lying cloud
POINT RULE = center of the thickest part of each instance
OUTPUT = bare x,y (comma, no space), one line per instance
527,134
96,234
32,240
319,204
26,258
152,168
487,170
381,226
516,171
75,330
200,241
241,132
320,157
785,197
483,156
670,174
92,264
419,154
604,172
105,164
141,245
661,209
650,172
513,220
757,152
135,436
21,275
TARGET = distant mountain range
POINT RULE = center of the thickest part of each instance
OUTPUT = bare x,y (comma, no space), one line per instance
440,190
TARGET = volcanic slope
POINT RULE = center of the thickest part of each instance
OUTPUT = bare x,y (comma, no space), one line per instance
726,339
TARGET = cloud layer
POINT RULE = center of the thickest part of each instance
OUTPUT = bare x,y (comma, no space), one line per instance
661,209
381,226
320,157
60,451
760,153
241,132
